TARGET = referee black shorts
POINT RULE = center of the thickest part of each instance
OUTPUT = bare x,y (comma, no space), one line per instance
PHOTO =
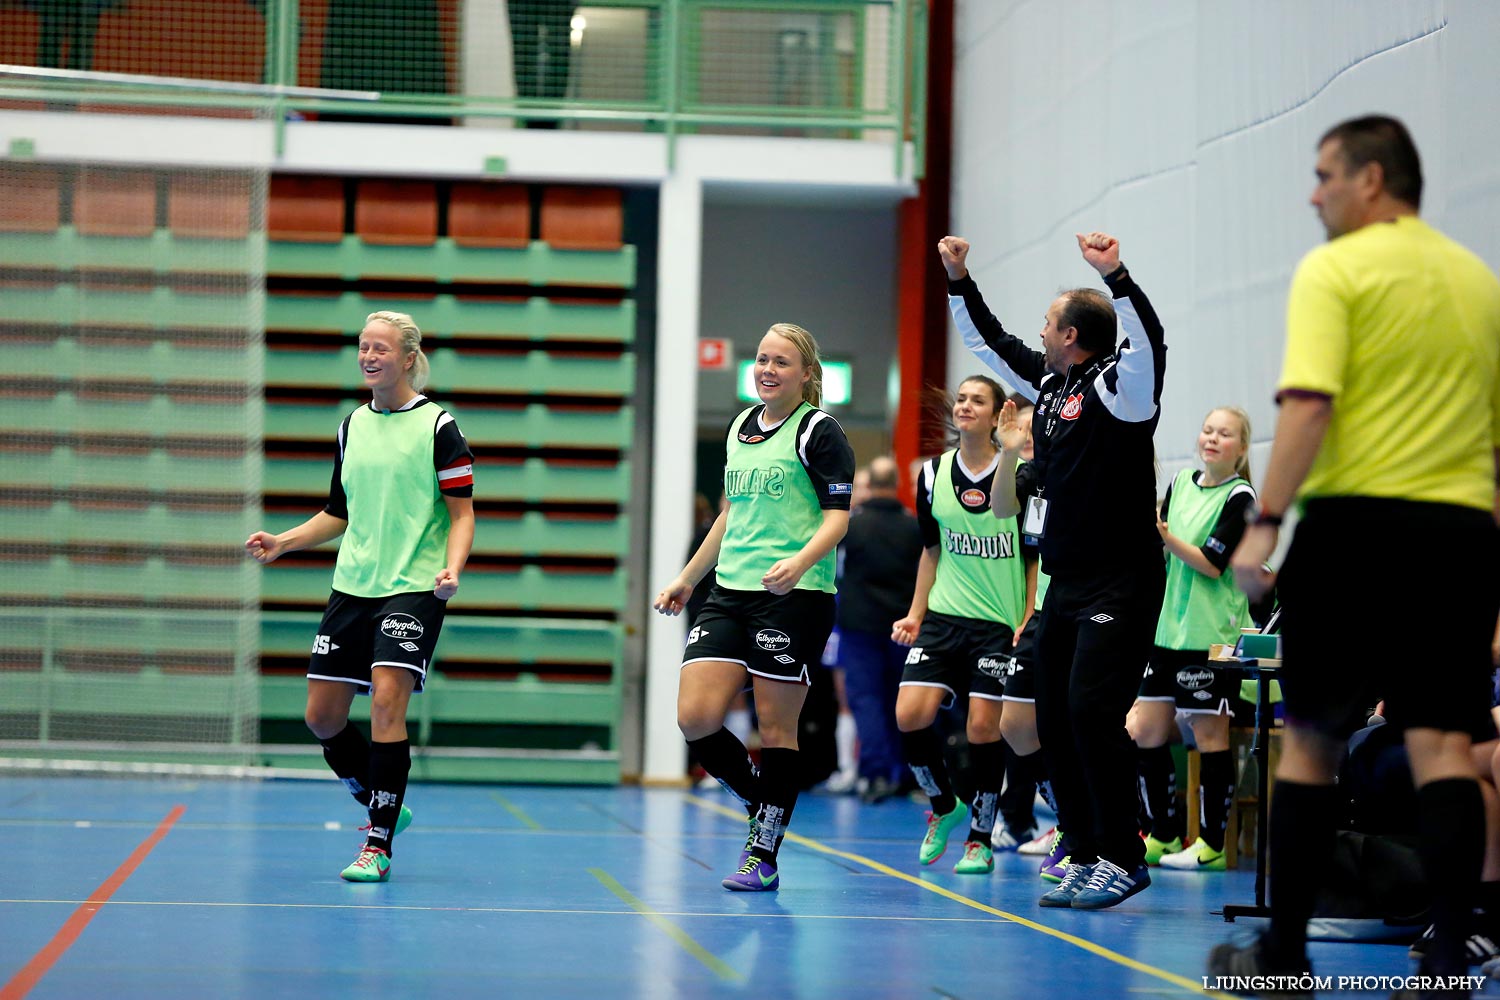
1349,557
770,635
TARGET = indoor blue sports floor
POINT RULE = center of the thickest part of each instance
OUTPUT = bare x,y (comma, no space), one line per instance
126,888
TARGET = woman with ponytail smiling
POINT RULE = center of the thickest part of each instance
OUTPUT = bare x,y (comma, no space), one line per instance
788,477
402,497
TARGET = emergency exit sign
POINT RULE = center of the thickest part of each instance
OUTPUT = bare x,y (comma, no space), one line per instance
715,354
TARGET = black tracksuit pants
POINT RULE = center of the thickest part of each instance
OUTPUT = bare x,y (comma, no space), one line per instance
1095,636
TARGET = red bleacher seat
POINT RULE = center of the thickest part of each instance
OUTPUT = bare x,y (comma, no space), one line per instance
396,213
583,218
489,215
32,192
113,202
209,206
306,209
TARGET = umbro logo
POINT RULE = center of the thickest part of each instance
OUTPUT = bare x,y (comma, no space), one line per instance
1101,618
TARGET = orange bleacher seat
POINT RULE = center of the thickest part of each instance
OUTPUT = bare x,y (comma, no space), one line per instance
209,206
112,202
32,193
583,218
489,215
396,213
306,209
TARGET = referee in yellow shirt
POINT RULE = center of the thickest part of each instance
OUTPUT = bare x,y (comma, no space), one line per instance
1388,439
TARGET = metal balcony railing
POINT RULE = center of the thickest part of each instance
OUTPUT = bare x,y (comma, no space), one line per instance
851,69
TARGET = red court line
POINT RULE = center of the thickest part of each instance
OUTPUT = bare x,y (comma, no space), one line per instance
42,961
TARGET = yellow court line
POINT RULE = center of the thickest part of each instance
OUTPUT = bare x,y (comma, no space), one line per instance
1078,942
515,810
720,968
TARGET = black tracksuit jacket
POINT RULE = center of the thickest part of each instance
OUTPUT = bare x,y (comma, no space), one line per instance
1095,460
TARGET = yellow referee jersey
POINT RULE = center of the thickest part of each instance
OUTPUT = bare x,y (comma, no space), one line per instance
1400,325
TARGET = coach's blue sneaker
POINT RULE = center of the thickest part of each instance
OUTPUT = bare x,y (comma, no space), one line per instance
754,875
1108,884
1068,887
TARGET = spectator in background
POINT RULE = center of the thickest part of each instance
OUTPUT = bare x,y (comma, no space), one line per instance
67,29
541,49
880,556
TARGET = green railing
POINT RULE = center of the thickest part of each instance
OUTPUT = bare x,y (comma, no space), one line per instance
828,68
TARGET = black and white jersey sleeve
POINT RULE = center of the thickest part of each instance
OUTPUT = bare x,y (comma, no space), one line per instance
1131,386
926,523
1021,367
338,502
452,458
1220,544
828,459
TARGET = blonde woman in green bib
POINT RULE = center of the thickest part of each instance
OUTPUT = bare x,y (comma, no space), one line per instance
402,497
1202,519
788,477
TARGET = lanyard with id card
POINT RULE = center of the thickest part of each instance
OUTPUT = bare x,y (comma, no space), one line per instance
1034,523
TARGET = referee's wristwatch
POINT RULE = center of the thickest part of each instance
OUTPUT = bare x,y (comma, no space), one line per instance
1258,515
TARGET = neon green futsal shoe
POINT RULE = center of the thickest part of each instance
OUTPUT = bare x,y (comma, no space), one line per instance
978,859
1156,848
1200,858
372,865
938,828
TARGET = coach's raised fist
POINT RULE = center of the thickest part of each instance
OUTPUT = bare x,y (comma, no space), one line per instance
1101,250
955,253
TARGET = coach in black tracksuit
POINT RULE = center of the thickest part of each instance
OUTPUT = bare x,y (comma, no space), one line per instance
1090,494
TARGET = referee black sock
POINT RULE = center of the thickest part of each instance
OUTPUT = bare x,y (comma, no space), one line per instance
780,778
1487,901
924,755
987,766
1158,777
1452,828
724,757
1215,795
389,765
348,755
1303,820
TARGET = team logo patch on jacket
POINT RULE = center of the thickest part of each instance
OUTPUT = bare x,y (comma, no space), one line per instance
1072,407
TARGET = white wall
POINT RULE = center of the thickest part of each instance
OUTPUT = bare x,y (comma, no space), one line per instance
1187,129
828,267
